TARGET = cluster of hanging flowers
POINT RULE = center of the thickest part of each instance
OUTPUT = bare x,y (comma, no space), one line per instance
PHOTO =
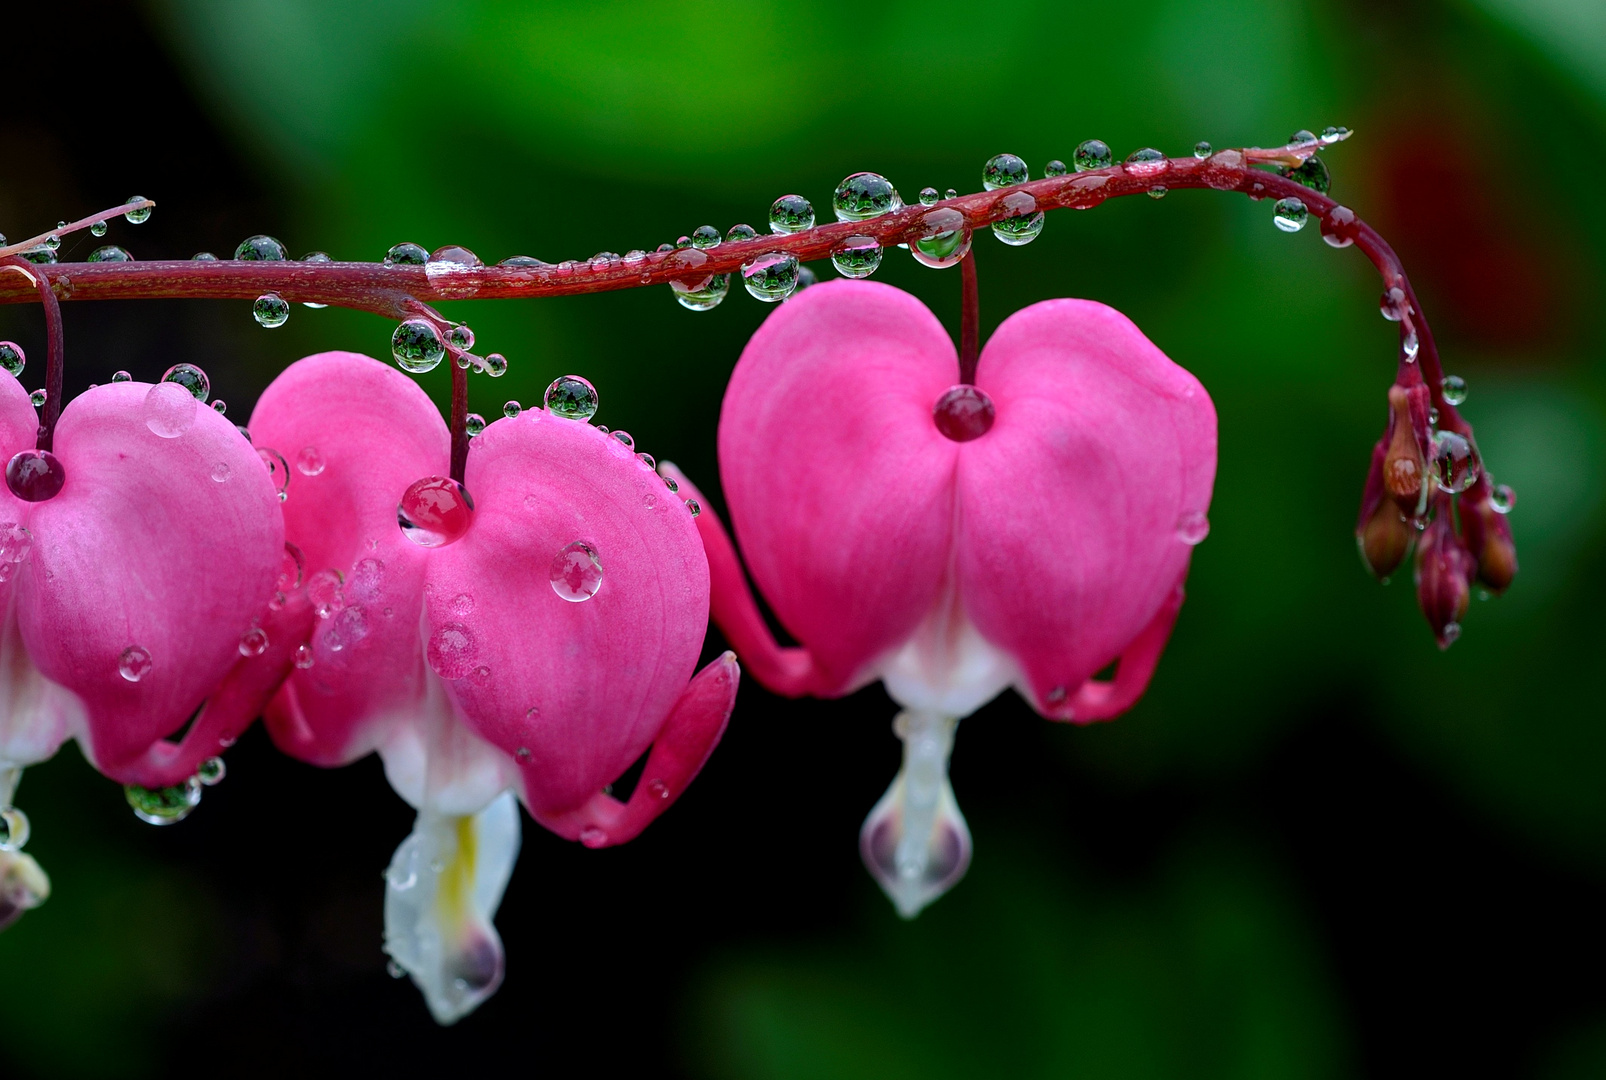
512,612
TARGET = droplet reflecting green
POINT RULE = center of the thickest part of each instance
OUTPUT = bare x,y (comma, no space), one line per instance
1092,154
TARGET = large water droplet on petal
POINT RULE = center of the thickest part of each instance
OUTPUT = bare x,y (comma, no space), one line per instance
310,461
571,397
35,475
169,409
1193,527
164,806
278,469
576,573
435,511
254,642
134,663
451,650
964,413
12,358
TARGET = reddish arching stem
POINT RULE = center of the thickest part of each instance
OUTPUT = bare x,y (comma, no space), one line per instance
55,355
395,291
969,318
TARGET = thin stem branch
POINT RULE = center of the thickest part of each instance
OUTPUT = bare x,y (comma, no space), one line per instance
969,318
72,227
55,354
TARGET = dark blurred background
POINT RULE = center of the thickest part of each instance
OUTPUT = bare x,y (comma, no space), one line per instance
1318,847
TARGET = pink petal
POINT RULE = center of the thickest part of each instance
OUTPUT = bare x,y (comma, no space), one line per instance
1069,541
144,549
840,486
373,432
574,690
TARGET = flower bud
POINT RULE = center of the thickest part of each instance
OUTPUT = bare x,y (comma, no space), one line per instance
1444,571
1405,464
1381,532
1487,535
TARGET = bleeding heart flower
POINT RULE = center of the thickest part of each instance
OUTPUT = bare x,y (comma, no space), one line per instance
953,540
533,629
126,595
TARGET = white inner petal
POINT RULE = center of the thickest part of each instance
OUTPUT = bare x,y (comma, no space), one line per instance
946,667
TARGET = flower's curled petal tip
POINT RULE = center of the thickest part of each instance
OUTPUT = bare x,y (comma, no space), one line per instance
147,567
839,484
682,748
1079,510
234,705
23,885
915,842
567,622
356,434
1098,699
442,890
790,672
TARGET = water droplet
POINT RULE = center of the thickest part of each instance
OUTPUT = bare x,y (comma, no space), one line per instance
1312,173
137,217
944,238
704,237
576,573
1201,149
41,256
203,256
260,249
190,378
1454,388
254,642
304,658
603,259
571,397
626,438
1025,223
326,592
221,471
134,663
864,195
650,501
417,345
14,829
270,310
929,196
1302,138
456,255
1157,191
15,543
770,277
347,627
1336,226
670,483
1289,214
512,409
278,469
1193,527
474,424
1002,171
366,583
1410,345
496,365
406,254
528,262
460,337
315,257
1092,154
35,475
451,650
38,398
211,771
163,806
658,789
593,837
291,565
12,358
646,459
220,406
1502,499
964,413
98,229
857,257
110,253
790,214
1455,462
122,376
169,409
1332,134
435,511
1146,162
1056,167
694,506
1393,304
703,294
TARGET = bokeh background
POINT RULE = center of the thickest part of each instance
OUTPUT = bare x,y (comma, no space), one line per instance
1318,847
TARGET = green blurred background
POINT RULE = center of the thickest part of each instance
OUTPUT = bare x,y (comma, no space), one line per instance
1318,847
